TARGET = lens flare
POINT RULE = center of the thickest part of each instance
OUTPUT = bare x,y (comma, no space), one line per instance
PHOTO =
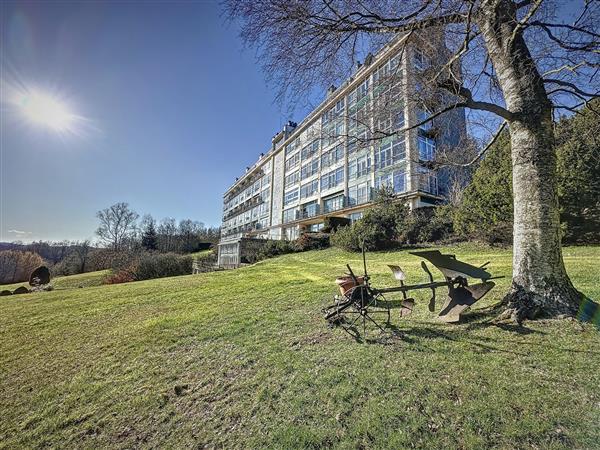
44,110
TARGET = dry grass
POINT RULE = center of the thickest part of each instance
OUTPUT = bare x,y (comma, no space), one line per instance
242,359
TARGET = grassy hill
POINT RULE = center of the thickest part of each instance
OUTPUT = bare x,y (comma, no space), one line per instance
243,359
69,282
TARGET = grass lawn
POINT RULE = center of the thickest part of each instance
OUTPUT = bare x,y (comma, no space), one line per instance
68,282
243,359
201,254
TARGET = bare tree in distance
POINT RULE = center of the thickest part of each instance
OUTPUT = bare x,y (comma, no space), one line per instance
167,235
81,249
510,64
117,225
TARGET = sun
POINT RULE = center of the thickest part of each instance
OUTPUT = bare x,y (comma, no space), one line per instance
45,110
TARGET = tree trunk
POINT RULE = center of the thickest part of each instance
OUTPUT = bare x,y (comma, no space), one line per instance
540,284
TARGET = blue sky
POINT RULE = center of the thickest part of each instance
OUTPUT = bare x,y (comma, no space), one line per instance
175,109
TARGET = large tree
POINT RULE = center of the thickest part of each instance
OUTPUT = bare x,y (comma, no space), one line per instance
117,225
521,61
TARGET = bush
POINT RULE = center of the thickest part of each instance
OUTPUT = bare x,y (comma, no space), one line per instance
311,241
378,227
160,265
124,275
331,224
273,248
270,249
428,224
346,238
129,266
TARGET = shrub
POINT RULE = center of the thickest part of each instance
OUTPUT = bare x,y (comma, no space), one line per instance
428,224
160,265
124,275
346,238
146,266
311,241
331,224
270,249
378,227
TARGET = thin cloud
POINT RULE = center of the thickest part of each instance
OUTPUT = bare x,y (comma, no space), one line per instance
20,232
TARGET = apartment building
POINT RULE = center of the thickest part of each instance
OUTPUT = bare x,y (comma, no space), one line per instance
331,163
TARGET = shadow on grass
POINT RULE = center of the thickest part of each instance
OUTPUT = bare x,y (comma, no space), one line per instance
427,337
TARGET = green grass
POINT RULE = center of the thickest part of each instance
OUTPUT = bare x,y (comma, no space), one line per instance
69,282
201,254
243,359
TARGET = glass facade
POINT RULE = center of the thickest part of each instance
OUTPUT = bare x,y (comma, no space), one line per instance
335,159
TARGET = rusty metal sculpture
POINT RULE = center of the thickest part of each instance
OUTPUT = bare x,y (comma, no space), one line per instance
359,302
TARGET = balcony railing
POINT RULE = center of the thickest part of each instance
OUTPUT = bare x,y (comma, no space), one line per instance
243,207
428,183
244,184
309,211
360,199
340,203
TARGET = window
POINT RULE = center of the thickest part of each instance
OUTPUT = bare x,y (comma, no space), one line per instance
310,210
339,107
290,215
263,209
387,76
390,152
332,179
399,119
332,156
421,60
309,169
384,124
363,90
361,193
352,98
428,180
290,148
339,128
359,167
355,216
426,148
395,180
290,196
309,189
332,131
292,178
315,227
421,116
265,194
333,204
292,162
310,149
291,233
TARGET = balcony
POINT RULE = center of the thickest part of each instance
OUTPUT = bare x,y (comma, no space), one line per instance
363,197
309,211
335,204
241,231
249,180
428,183
243,207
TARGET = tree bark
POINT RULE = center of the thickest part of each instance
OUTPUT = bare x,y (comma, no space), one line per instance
540,284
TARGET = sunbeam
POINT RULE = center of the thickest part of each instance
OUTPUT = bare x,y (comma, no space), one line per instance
43,109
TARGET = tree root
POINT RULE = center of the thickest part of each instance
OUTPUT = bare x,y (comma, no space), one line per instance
555,302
